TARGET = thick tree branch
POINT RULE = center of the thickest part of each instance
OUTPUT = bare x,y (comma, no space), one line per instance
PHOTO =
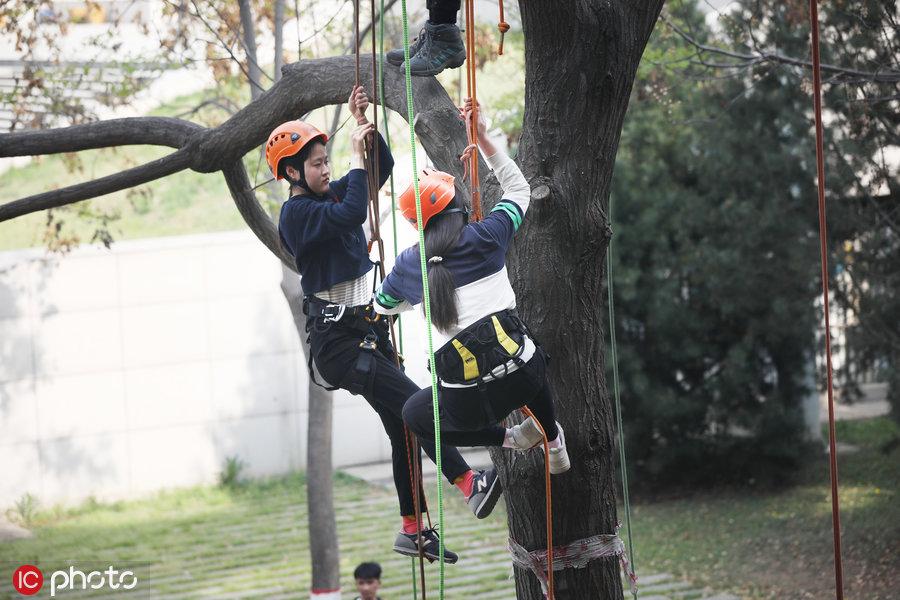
311,84
177,161
746,60
155,131
252,212
304,86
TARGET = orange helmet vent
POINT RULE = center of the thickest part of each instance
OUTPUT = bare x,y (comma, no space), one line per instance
436,190
287,140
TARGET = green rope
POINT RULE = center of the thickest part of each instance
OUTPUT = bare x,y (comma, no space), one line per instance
387,139
615,366
426,300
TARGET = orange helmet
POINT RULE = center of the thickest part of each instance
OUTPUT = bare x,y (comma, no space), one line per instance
436,190
287,140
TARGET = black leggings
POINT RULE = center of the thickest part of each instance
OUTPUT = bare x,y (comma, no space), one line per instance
470,417
335,349
442,11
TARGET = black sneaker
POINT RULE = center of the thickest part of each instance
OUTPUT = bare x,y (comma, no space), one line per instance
405,544
395,56
486,490
441,47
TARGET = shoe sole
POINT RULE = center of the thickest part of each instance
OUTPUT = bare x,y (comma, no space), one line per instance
431,557
490,500
454,63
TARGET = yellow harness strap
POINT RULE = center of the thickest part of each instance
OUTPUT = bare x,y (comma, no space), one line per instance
507,342
470,365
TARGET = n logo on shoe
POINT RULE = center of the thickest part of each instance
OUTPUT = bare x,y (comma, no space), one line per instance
482,484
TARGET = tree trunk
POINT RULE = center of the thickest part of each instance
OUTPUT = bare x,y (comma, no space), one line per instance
321,522
323,539
576,95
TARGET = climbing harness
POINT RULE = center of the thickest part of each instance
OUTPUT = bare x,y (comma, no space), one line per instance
487,349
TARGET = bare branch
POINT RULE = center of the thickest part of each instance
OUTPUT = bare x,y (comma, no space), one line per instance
746,60
253,214
156,131
177,161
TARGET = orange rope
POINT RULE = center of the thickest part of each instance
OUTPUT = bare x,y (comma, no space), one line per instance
503,26
473,125
823,236
528,412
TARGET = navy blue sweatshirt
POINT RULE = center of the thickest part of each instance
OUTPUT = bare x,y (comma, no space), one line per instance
325,234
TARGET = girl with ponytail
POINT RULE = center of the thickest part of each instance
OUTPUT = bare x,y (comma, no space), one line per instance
488,363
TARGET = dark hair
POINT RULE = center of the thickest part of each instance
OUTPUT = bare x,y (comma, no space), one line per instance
367,570
296,161
441,235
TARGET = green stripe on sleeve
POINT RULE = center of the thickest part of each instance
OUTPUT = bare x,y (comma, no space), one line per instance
387,300
512,212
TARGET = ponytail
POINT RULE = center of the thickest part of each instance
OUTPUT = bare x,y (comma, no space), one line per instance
441,235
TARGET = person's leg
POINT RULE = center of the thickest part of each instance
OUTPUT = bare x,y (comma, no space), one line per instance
418,413
439,44
390,392
443,11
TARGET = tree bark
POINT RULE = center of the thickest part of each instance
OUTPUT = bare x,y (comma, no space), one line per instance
576,95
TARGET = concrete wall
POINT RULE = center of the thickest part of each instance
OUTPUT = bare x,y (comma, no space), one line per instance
144,367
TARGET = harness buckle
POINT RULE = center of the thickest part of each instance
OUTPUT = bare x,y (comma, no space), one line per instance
369,342
332,313
367,315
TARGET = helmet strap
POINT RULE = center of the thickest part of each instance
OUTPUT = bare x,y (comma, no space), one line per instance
464,210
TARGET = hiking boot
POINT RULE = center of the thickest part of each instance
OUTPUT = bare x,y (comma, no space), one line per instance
441,47
406,544
559,457
486,490
526,435
395,56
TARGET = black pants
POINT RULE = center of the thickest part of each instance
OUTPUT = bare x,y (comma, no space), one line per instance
335,349
470,417
442,11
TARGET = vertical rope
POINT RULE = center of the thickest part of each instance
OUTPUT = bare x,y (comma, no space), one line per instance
823,236
387,138
503,26
372,171
549,502
615,365
410,112
475,182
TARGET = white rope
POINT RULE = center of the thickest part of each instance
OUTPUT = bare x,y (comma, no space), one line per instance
575,555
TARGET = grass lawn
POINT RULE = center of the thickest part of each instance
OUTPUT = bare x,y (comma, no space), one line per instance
759,544
215,542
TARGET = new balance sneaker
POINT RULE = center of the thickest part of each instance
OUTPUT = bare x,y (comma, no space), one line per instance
559,456
395,56
525,435
486,490
406,544
441,47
